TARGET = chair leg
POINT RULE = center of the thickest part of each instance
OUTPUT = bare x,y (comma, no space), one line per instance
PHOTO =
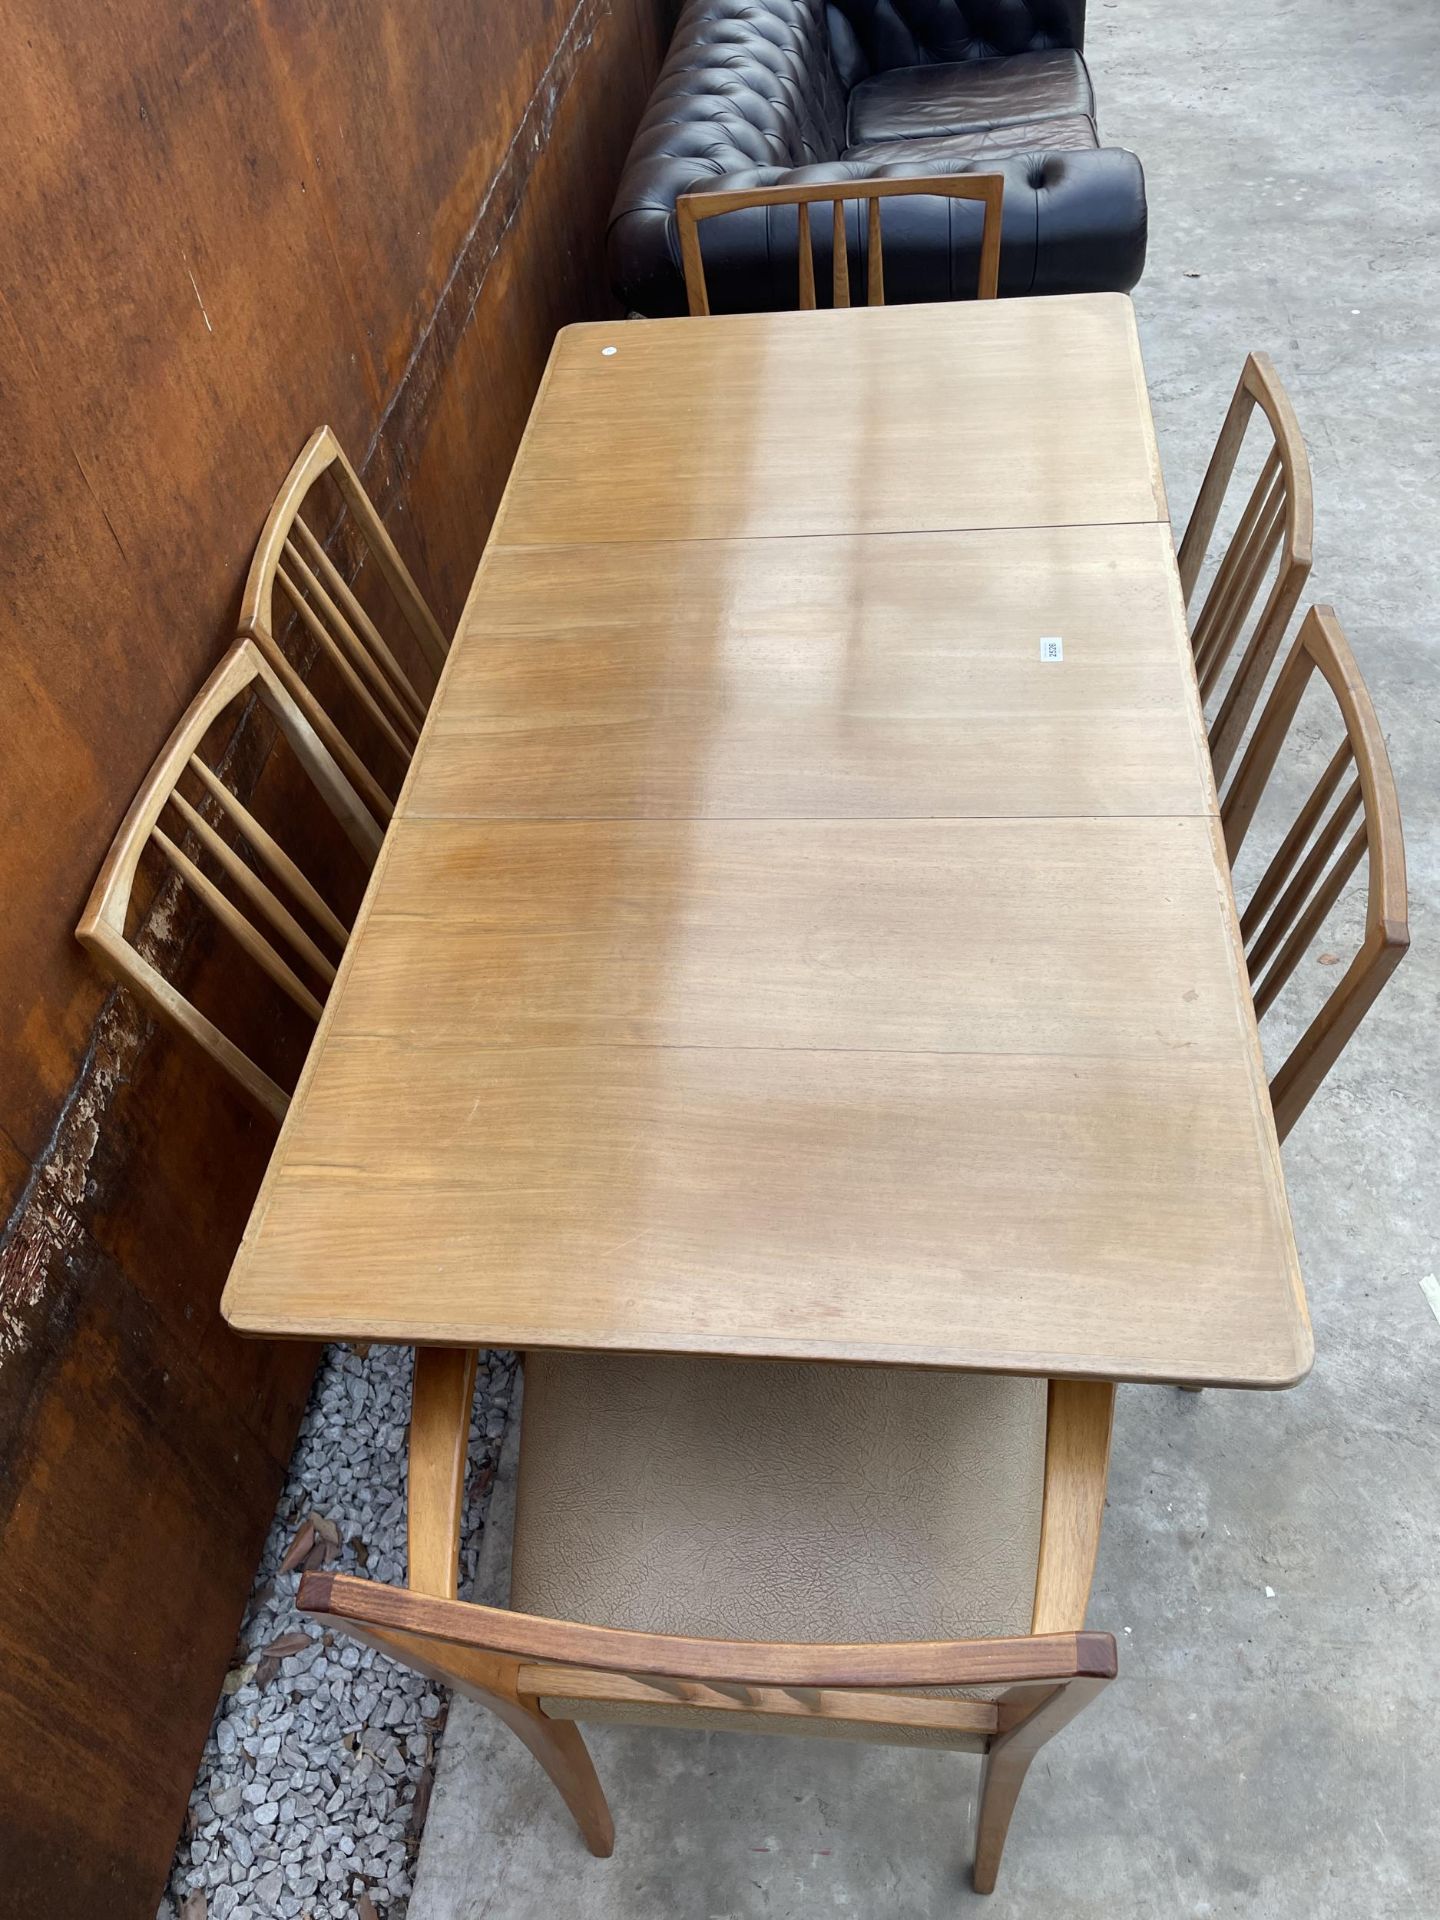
490,1679
1008,1761
562,1752
1002,1776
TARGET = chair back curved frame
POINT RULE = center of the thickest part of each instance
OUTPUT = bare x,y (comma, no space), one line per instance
693,208
512,1662
1311,867
101,929
1279,518
289,555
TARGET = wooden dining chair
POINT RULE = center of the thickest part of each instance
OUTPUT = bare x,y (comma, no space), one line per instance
861,1552
1351,813
693,208
270,905
1275,526
290,555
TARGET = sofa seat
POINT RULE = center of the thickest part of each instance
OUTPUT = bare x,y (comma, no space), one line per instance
776,1500
919,103
1075,133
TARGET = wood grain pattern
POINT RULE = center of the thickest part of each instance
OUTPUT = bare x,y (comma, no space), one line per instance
995,414
1077,1466
877,935
800,1204
785,1703
910,1663
679,1022
829,676
222,224
691,209
441,1399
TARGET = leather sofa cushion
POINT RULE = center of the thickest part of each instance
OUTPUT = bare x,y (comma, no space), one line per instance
1073,134
921,102
774,1500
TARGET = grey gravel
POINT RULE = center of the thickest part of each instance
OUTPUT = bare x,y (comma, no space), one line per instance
303,1798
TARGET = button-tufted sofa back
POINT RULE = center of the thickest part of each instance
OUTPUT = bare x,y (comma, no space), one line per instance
751,82
871,36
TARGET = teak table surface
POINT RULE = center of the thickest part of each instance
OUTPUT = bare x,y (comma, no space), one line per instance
773,952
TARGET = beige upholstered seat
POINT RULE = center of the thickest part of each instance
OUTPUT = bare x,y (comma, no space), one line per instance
776,1501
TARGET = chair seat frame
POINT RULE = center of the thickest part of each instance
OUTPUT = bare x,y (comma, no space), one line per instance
511,1662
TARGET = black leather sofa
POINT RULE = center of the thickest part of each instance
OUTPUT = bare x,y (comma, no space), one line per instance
756,92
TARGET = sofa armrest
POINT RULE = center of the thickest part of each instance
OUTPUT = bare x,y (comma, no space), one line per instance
1074,222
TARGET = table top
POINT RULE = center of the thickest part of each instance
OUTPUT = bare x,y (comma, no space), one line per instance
774,953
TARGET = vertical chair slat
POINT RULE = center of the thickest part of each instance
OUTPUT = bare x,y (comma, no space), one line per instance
1279,869
840,257
102,929
1314,888
693,208
1223,588
274,855
386,696
246,936
1278,520
1310,924
320,633
807,259
290,556
874,255
254,889
1307,878
343,595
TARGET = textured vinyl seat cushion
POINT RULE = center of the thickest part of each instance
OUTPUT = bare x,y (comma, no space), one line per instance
776,1501
918,103
961,151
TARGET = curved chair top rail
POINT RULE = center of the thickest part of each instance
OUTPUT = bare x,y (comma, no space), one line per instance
1278,519
692,208
1315,860
102,925
291,556
918,1663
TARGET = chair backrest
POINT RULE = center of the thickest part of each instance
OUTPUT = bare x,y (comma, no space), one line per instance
1315,860
291,555
693,208
280,905
1278,520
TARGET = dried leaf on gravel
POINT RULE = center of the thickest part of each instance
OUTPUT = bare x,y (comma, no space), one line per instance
300,1547
238,1677
327,1529
285,1644
420,1803
194,1906
365,1908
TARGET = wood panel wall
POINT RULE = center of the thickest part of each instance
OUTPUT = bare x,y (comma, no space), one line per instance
223,222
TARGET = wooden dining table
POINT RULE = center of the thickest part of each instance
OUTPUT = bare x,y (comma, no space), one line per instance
805,929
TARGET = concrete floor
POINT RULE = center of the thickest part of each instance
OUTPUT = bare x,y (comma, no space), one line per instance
1271,1565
